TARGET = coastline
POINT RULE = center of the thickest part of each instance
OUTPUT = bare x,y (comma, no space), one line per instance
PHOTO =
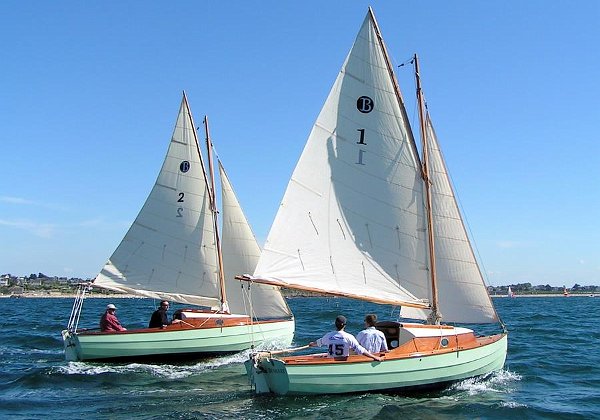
50,295
549,295
53,295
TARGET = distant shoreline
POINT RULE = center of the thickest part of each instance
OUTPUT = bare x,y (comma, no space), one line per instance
71,296
123,296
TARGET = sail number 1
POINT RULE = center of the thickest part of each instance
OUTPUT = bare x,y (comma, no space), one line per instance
361,140
364,104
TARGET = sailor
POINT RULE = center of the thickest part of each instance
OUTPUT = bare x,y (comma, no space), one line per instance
109,320
340,342
371,338
159,317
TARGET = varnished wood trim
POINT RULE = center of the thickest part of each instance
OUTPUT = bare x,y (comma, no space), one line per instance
410,304
417,347
191,324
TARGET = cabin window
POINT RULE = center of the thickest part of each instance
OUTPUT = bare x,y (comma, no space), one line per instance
444,342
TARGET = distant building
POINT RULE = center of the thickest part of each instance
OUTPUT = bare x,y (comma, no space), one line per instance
34,282
16,290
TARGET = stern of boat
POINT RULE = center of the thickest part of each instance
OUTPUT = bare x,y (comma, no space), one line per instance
267,375
70,344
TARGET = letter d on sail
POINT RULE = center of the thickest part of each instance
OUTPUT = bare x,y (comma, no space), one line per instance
365,104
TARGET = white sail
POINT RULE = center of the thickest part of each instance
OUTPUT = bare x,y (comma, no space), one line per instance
169,251
240,255
462,294
352,218
353,221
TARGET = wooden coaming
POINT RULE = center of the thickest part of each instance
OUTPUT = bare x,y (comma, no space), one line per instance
417,347
192,324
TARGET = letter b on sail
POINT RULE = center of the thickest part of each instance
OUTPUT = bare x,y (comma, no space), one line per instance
365,104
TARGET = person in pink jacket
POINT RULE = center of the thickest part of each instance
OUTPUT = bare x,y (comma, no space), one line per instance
109,320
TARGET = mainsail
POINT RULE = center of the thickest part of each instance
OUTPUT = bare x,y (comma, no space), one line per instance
353,219
170,253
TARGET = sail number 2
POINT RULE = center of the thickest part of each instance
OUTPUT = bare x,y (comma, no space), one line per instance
184,166
180,200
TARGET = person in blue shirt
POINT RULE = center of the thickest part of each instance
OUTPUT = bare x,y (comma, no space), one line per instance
371,338
340,342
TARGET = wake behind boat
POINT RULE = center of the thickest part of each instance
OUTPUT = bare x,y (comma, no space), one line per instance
379,222
173,251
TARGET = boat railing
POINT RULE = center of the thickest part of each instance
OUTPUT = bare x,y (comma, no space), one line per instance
82,288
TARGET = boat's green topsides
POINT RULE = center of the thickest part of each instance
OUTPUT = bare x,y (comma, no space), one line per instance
147,343
325,376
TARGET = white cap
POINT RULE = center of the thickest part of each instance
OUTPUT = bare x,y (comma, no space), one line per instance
111,306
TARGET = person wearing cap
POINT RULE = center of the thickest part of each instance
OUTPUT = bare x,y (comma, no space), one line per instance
340,342
160,318
109,321
371,338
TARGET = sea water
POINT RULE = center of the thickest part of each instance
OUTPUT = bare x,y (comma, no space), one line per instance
552,369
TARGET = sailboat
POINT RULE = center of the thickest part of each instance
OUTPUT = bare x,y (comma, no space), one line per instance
174,251
510,293
377,222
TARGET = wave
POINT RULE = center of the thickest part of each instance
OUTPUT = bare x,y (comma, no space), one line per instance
167,371
499,382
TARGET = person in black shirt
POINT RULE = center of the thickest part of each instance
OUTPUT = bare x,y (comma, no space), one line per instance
159,317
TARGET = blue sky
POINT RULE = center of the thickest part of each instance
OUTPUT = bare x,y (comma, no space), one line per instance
90,92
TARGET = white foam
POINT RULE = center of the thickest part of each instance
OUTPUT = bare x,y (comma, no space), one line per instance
512,404
499,381
168,371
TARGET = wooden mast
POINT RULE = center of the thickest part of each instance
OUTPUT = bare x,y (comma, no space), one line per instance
435,316
213,207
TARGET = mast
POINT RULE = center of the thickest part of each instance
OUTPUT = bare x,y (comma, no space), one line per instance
213,207
435,315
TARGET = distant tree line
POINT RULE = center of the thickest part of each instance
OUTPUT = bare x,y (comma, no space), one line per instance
528,288
40,281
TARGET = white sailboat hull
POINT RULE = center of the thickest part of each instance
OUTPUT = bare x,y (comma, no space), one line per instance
176,341
361,374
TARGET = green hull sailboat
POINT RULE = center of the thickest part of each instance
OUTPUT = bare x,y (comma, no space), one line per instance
378,221
400,370
178,341
175,250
